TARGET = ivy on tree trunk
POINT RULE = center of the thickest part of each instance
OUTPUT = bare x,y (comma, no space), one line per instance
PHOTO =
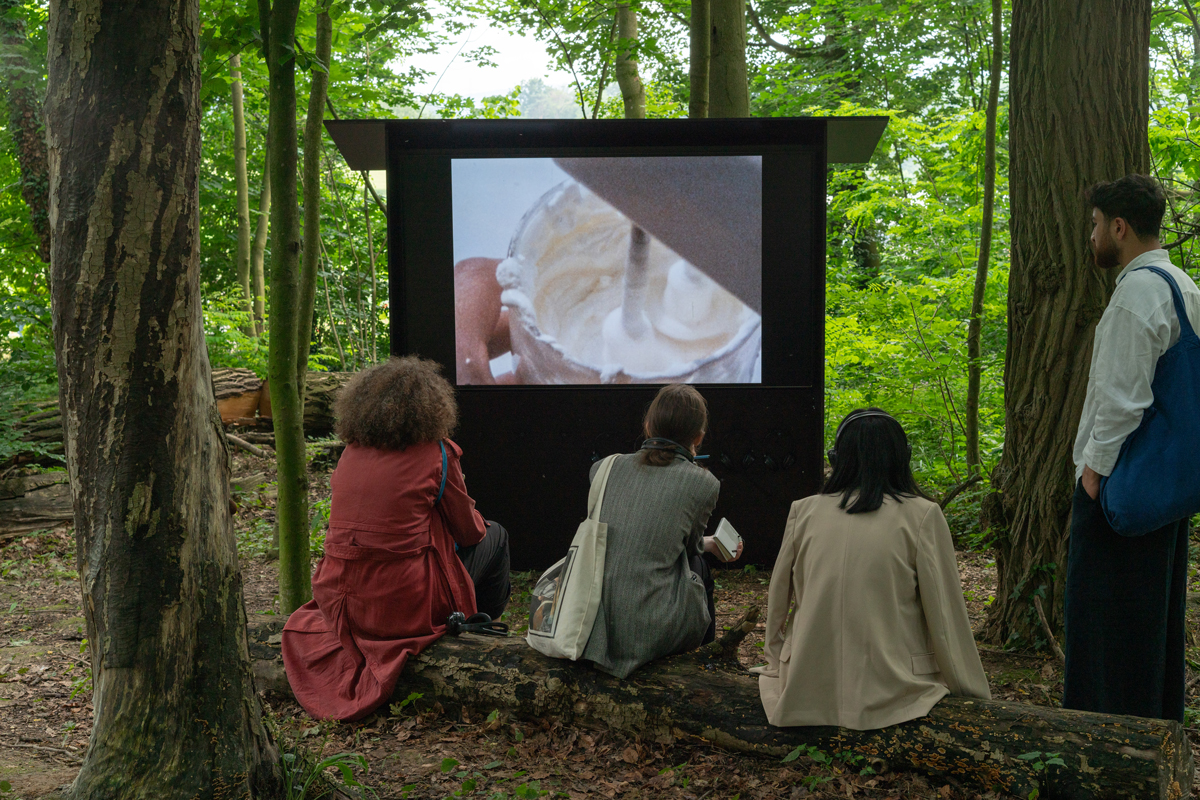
175,710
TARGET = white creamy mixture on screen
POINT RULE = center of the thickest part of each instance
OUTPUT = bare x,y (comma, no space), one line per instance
564,279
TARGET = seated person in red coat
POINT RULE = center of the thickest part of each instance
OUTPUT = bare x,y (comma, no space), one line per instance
405,546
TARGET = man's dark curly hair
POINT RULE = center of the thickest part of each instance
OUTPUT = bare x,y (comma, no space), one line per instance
1137,199
400,402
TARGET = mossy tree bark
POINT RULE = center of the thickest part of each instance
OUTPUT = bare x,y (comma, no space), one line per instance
633,91
728,86
175,710
1078,111
311,254
291,511
975,326
242,180
26,121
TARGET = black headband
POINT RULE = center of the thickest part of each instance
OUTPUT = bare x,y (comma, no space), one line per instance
856,416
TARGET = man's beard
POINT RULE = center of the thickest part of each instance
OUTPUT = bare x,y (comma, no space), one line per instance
1106,256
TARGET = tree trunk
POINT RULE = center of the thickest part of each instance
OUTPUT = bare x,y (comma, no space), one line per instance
1079,113
175,710
975,326
699,55
374,275
728,88
330,321
26,122
258,248
243,193
633,92
311,255
704,696
291,510
1193,90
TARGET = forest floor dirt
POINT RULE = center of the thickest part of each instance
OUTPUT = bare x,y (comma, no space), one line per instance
415,750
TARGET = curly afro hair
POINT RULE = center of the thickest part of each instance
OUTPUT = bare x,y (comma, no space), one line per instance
392,405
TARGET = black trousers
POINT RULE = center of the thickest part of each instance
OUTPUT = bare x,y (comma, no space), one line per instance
1124,613
487,564
700,566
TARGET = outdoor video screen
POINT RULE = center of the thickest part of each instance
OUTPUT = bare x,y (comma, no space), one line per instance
607,270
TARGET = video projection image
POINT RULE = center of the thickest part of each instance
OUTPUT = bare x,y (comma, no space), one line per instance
608,270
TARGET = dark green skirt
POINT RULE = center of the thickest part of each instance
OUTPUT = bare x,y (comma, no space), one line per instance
1124,613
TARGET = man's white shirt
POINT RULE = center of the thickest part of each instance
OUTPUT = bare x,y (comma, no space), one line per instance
1138,326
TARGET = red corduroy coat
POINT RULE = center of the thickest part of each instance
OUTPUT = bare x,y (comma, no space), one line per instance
388,580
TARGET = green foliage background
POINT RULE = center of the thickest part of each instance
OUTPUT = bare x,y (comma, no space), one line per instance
903,230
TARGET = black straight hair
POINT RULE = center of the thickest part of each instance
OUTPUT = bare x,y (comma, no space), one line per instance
871,459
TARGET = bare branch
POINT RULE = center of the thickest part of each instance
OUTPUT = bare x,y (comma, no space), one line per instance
1058,653
791,50
249,448
955,491
1179,241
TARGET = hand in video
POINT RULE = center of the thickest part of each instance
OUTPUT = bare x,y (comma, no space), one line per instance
710,546
480,324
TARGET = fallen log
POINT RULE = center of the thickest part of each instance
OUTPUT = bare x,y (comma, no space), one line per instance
237,393
987,745
35,502
254,437
42,501
44,428
320,391
228,383
247,483
249,448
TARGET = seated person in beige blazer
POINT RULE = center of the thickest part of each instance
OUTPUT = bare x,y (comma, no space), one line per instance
866,623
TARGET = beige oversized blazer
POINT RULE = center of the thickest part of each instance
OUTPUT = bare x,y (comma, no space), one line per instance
866,623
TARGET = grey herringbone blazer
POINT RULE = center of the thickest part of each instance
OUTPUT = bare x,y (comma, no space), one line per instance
651,605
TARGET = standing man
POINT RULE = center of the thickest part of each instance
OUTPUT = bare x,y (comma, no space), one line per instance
1125,596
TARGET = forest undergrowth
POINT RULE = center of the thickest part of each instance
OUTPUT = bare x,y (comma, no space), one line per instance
412,748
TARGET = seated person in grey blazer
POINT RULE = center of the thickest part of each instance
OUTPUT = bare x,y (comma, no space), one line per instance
866,623
657,595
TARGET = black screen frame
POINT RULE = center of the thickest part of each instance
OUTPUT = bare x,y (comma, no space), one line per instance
527,449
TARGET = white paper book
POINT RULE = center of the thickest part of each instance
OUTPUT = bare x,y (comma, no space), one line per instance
727,540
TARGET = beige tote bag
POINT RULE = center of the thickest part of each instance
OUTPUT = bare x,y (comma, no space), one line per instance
564,602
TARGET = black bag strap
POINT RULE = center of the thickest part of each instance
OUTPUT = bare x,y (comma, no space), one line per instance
458,623
1185,326
441,488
